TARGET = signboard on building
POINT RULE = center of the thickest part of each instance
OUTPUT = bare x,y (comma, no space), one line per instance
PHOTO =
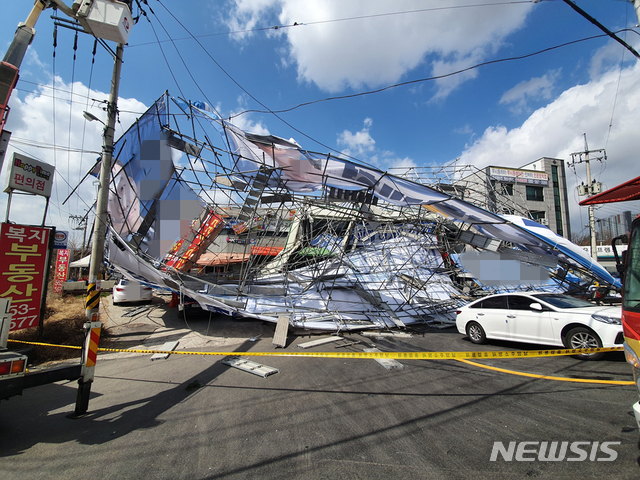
62,267
605,251
198,243
60,239
23,259
29,175
519,176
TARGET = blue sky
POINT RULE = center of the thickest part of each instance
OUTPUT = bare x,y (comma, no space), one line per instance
509,112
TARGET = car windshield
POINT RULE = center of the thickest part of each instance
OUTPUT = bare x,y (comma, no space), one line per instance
563,301
631,290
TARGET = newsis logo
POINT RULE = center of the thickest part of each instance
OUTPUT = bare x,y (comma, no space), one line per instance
36,170
555,451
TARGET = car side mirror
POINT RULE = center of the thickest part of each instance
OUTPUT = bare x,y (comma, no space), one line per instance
536,306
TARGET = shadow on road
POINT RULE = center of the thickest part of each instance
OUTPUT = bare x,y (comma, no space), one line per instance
19,433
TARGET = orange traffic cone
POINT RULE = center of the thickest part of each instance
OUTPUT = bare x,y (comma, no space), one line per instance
174,300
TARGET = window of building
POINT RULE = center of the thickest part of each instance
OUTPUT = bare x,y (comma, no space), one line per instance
556,199
507,189
535,194
538,215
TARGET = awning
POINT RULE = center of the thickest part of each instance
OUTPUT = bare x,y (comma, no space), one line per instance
266,251
82,263
622,193
210,259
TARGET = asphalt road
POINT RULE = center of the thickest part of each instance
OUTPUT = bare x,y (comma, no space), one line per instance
193,417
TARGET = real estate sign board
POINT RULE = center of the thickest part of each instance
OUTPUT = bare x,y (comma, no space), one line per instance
23,259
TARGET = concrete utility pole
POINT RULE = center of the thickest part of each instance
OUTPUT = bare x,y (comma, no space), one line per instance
590,189
92,311
97,250
592,221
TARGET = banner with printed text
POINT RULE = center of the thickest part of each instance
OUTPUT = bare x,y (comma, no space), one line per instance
62,267
23,258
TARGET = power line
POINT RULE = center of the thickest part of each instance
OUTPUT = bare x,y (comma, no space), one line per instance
49,146
336,20
421,80
602,27
244,89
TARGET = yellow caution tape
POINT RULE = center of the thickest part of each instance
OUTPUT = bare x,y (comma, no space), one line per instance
549,377
387,355
44,344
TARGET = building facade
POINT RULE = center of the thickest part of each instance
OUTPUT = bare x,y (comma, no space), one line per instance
555,200
614,225
537,190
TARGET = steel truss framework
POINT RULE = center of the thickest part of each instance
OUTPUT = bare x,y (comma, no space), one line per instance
336,256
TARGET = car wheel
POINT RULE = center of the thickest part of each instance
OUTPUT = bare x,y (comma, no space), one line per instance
581,337
476,333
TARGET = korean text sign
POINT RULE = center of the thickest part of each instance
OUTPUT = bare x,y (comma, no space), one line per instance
23,259
62,266
29,175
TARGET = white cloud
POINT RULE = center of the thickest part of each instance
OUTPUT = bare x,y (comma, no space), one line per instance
608,57
447,66
557,129
539,88
381,49
36,130
403,164
246,123
362,145
464,130
247,15
358,143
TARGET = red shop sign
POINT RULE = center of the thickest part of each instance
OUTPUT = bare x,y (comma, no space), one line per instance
23,259
62,266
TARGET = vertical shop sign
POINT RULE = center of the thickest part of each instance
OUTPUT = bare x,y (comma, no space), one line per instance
62,267
23,259
208,231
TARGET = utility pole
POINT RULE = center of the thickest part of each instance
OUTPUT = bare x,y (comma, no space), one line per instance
591,188
93,326
81,224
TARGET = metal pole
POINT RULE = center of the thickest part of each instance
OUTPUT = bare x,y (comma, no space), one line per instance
9,204
92,327
592,219
46,209
97,250
84,234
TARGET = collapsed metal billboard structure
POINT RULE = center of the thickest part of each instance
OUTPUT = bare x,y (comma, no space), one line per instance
263,228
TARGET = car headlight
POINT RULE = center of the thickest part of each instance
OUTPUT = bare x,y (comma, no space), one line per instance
605,319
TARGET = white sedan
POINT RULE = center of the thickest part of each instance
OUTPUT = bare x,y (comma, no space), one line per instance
544,318
129,291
